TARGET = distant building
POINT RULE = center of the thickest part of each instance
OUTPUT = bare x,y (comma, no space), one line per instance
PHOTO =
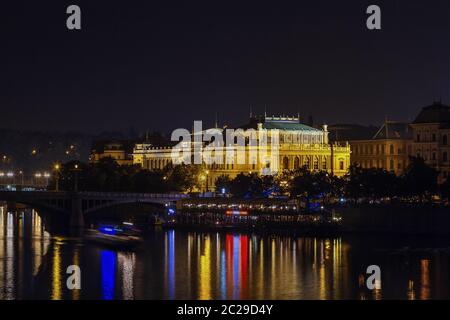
431,132
120,151
389,148
299,145
152,157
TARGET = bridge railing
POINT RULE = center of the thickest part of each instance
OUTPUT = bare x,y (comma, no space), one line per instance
103,194
135,195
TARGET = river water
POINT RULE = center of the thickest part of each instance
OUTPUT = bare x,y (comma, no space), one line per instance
175,264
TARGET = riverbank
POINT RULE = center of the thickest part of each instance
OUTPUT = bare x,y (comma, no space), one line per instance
424,220
385,219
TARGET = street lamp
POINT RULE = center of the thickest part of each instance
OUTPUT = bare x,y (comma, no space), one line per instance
207,180
21,178
11,176
202,179
37,176
76,169
46,176
56,167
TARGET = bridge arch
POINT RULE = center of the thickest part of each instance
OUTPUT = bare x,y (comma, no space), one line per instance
112,204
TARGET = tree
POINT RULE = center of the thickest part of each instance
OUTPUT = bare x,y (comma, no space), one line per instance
269,185
337,186
184,178
150,181
246,185
420,179
283,181
354,186
372,183
445,189
223,182
309,185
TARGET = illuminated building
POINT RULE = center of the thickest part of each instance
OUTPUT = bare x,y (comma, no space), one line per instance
426,137
388,149
431,132
300,145
120,151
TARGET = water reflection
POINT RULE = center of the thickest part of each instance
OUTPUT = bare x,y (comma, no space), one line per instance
108,267
215,265
23,244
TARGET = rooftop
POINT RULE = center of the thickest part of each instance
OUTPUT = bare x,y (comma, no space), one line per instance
393,130
348,132
436,113
280,123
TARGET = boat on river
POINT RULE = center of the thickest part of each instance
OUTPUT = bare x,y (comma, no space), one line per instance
114,236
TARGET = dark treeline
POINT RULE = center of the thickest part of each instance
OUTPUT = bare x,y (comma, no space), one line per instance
419,181
108,176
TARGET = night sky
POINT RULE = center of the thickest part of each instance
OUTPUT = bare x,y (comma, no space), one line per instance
162,64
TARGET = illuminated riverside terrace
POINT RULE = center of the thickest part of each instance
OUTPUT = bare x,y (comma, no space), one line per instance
177,264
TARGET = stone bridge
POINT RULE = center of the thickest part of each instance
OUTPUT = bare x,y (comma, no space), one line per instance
75,205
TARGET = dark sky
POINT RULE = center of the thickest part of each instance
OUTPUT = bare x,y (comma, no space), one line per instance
163,64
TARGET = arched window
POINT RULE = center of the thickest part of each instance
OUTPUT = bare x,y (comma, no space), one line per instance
306,162
316,163
444,156
285,163
296,163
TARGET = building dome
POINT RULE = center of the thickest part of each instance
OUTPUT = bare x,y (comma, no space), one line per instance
436,113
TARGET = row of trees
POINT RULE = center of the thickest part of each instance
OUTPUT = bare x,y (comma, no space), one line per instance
106,175
419,180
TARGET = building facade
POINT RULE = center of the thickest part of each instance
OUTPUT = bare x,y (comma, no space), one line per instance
388,149
431,132
120,151
298,145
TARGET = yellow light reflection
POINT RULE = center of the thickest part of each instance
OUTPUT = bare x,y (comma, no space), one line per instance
205,271
411,292
424,279
76,262
56,272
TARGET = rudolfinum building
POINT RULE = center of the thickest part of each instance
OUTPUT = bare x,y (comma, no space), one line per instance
297,145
